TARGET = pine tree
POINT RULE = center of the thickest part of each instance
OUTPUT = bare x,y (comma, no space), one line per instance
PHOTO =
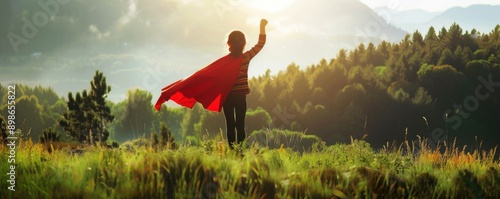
74,122
87,113
342,57
102,114
453,37
417,38
432,49
447,57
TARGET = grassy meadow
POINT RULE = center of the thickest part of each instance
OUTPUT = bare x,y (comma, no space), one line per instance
211,170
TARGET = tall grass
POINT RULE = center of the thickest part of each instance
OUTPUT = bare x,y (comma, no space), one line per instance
211,170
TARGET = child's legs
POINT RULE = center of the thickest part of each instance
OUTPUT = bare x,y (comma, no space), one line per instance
228,108
235,127
241,110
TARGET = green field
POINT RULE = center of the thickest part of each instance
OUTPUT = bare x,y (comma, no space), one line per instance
211,170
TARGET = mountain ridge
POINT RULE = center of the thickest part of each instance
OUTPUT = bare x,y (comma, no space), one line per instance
476,16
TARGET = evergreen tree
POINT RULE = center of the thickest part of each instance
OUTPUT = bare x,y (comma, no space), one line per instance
432,47
447,57
342,57
453,37
431,35
383,48
101,113
417,38
88,115
443,33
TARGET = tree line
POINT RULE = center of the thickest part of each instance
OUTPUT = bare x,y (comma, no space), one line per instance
445,80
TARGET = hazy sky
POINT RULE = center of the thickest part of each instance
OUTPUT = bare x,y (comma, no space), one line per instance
428,5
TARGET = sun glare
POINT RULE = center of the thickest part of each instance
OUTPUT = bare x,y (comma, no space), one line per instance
269,6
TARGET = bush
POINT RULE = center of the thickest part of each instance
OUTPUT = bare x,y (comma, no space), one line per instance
274,138
48,135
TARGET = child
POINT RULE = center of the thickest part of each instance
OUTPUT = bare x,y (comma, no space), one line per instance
222,84
236,104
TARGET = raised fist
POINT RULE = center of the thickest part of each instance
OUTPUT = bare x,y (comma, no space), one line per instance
263,22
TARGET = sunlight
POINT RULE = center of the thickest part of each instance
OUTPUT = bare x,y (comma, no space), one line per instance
269,6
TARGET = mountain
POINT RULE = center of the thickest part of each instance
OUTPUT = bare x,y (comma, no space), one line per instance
149,44
401,18
481,17
326,26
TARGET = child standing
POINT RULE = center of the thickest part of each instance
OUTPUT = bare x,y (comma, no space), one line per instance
222,84
235,106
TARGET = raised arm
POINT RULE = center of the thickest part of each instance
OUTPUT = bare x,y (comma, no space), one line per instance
263,23
262,40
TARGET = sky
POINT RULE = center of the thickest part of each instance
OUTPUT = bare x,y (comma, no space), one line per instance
266,5
427,5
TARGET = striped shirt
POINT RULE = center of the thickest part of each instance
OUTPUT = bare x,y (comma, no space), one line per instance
241,84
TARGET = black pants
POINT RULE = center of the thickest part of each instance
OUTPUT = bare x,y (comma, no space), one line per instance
235,105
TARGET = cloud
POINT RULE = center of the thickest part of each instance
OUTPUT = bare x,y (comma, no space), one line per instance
131,13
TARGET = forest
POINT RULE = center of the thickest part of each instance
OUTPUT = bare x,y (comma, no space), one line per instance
440,85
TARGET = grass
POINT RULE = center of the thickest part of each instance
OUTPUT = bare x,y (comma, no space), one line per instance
352,170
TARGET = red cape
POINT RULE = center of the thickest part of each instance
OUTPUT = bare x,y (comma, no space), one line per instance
208,86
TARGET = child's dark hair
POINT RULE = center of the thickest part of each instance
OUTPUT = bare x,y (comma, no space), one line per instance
236,41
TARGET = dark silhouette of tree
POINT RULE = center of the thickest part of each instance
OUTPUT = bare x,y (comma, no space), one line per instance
29,116
443,33
166,137
447,57
154,140
3,129
432,47
417,38
102,113
88,115
137,116
48,136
